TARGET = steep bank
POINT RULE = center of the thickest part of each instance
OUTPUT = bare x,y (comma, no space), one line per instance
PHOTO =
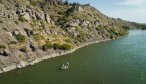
37,60
33,30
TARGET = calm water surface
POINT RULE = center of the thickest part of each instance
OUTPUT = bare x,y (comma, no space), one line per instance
120,61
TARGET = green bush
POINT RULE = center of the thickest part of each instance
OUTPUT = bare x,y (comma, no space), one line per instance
42,25
66,46
35,2
33,23
68,41
143,27
22,19
20,37
62,46
126,27
38,37
2,46
99,28
57,46
69,11
66,2
48,45
113,30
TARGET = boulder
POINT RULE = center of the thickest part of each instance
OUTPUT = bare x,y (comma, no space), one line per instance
29,32
9,33
5,52
21,64
15,33
80,9
33,48
47,18
73,23
39,16
27,17
48,31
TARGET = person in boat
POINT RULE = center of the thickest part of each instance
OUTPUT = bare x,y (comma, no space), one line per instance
67,63
65,66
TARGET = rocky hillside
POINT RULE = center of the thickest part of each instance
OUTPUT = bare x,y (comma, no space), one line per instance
32,29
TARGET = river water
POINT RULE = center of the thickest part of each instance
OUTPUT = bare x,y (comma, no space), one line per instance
121,61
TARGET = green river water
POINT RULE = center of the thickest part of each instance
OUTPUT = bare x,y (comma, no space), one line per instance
121,61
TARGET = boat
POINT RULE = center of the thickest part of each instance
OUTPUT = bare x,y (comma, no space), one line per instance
64,66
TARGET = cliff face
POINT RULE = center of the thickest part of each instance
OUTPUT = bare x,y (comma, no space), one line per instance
31,29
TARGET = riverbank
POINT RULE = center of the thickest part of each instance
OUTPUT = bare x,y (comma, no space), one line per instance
96,63
37,60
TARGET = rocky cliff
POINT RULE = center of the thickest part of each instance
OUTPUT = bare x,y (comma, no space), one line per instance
33,29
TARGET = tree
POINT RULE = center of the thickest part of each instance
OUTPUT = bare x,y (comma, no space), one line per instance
66,2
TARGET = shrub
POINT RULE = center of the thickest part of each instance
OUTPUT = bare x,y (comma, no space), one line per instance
5,29
113,30
1,1
26,29
13,42
22,19
60,13
66,46
42,24
2,46
35,2
33,23
143,27
87,4
117,32
75,4
24,49
16,22
1,21
68,41
66,2
126,27
38,37
20,37
99,28
48,45
69,11
57,46
20,1
62,46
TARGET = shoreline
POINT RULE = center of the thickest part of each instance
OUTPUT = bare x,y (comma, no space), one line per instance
37,60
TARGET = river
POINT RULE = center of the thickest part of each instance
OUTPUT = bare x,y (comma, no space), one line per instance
121,61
